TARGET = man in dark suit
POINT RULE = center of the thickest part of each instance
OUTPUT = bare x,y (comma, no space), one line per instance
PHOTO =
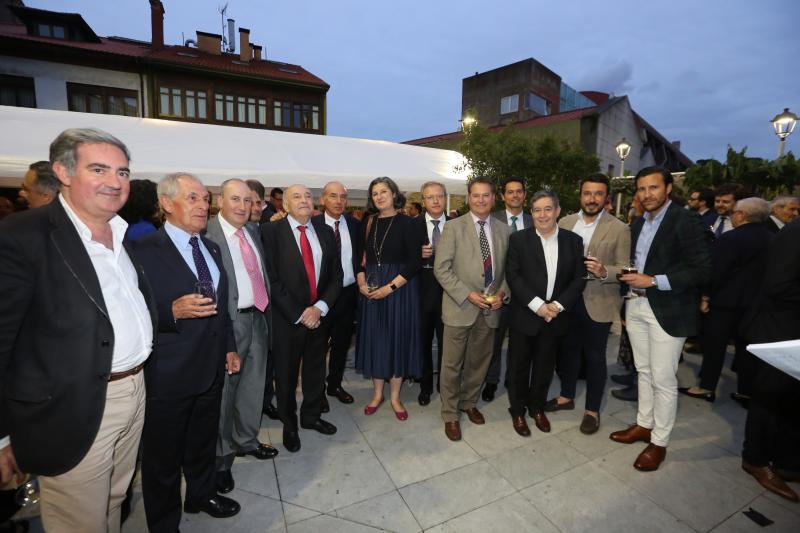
513,192
544,270
186,372
738,259
76,329
784,210
725,197
430,227
273,206
306,277
251,315
702,201
671,249
772,431
347,231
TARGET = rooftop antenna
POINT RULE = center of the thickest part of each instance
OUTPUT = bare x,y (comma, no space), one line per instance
226,46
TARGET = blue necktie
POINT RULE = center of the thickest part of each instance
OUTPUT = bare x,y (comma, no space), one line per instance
203,273
720,228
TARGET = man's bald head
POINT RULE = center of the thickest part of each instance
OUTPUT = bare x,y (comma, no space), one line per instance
298,202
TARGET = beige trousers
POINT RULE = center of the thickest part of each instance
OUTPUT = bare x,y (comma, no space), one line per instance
465,360
88,497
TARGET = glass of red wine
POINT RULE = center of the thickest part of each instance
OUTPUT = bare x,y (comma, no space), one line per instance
630,268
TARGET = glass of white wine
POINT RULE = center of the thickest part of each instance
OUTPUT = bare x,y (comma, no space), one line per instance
490,297
372,283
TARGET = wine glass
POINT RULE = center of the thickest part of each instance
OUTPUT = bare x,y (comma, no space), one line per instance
587,254
630,268
489,294
28,493
372,283
206,290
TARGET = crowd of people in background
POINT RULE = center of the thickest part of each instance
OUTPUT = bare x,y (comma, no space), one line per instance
136,311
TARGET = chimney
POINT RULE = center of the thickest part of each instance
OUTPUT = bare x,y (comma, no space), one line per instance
231,37
210,43
676,144
157,24
257,52
244,44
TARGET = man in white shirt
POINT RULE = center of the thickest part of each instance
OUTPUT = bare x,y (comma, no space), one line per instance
77,328
725,197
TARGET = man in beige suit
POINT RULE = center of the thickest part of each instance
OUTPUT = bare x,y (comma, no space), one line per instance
470,267
606,246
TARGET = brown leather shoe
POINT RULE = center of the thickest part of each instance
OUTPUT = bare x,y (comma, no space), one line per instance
650,458
771,481
452,430
521,426
541,421
635,433
590,424
474,415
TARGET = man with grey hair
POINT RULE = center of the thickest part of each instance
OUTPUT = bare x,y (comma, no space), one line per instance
195,346
40,185
784,210
738,260
77,328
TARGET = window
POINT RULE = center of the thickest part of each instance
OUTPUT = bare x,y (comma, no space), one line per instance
17,91
296,116
51,30
509,104
177,102
534,102
105,100
247,109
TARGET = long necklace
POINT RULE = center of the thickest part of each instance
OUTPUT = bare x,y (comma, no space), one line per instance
379,249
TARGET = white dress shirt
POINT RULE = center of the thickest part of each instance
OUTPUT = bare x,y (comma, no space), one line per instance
244,285
487,229
429,225
550,247
349,277
127,310
586,230
778,222
520,219
316,252
726,228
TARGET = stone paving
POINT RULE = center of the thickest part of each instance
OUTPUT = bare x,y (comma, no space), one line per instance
379,474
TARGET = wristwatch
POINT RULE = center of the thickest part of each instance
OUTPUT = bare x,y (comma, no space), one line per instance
393,287
653,282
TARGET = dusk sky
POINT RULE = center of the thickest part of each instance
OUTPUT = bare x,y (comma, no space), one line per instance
707,73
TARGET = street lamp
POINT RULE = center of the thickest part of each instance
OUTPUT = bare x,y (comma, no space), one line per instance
623,151
784,126
467,121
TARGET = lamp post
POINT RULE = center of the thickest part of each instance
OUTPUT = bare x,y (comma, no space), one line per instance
623,151
784,124
467,121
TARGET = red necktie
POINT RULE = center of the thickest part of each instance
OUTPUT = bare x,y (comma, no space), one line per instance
308,262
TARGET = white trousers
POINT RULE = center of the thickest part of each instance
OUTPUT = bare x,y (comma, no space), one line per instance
656,355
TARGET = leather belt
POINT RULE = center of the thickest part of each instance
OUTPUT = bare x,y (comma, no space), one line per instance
125,373
251,309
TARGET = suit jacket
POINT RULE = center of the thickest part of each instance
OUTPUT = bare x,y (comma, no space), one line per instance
427,281
681,250
354,230
267,212
56,340
527,219
738,260
526,272
611,243
215,234
459,269
188,354
287,274
708,218
771,225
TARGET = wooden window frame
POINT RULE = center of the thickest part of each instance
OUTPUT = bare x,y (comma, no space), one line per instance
74,89
19,83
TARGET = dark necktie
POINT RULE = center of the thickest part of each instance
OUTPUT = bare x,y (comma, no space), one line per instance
721,227
308,263
514,224
203,273
436,234
338,237
486,254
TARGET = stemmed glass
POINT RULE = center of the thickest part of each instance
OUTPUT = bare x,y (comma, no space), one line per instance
587,255
28,493
489,294
630,268
372,283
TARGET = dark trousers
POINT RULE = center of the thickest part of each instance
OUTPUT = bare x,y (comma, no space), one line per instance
431,321
585,338
306,346
531,362
772,430
342,319
495,367
180,434
269,384
720,325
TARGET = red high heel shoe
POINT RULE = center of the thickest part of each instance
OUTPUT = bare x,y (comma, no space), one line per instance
370,410
401,415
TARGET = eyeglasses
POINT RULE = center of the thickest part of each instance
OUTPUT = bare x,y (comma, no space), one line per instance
434,197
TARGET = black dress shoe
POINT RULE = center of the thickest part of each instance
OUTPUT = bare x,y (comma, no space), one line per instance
741,399
271,411
552,406
326,428
707,396
263,451
424,398
218,507
624,379
291,440
340,394
224,481
326,407
488,392
628,394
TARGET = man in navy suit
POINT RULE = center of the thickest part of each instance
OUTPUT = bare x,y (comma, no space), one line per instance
185,374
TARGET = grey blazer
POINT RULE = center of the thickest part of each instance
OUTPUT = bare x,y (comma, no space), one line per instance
214,233
459,269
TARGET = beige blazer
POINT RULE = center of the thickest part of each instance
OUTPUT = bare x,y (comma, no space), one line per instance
611,243
459,268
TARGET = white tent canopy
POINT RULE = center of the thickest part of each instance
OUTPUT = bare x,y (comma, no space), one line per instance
216,153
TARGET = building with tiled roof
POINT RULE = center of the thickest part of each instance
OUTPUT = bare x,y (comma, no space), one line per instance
55,60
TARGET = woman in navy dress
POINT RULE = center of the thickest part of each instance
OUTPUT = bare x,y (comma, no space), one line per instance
388,347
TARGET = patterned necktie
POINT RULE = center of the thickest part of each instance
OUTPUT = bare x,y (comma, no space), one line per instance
514,224
260,297
308,262
436,234
486,254
338,237
203,273
720,228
